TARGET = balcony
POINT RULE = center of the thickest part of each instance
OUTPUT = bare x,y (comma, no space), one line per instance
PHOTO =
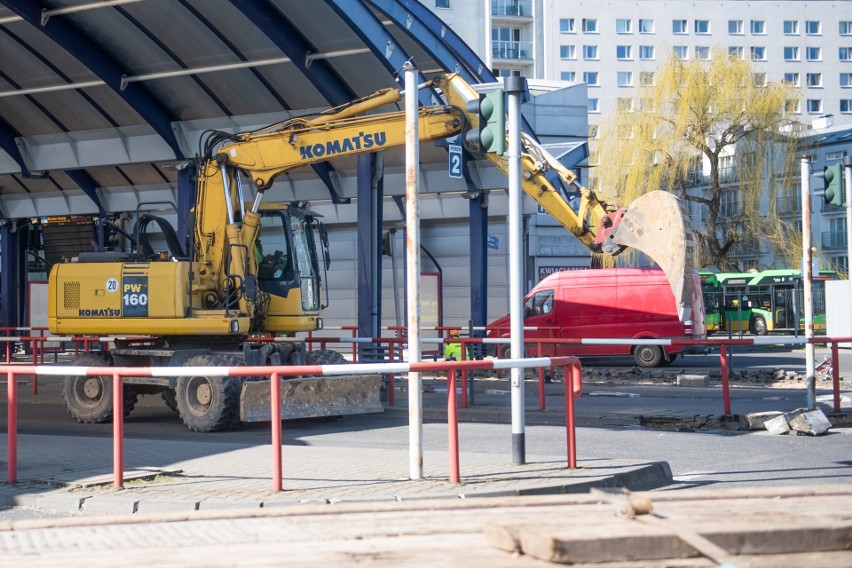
511,8
790,205
514,50
832,240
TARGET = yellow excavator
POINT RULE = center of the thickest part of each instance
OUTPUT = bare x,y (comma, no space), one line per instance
254,268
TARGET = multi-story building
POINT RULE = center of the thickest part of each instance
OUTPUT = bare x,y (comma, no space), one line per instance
614,47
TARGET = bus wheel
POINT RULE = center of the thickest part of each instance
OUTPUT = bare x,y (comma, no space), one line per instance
757,325
648,355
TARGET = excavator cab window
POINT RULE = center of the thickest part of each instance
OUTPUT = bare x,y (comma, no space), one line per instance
276,271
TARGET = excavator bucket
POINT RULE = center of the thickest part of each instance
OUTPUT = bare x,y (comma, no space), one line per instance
312,397
656,224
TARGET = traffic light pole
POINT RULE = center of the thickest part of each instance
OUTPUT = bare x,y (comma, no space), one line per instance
515,88
807,279
847,166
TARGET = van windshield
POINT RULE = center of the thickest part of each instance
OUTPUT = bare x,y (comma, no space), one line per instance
539,303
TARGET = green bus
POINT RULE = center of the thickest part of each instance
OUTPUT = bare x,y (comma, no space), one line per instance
761,302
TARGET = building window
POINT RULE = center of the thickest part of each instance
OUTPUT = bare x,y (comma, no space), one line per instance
568,76
623,26
646,105
846,28
846,54
791,79
813,53
646,52
646,26
814,105
624,104
791,54
593,105
590,52
846,106
646,78
442,3
846,80
679,27
590,26
793,106
758,54
791,27
813,79
681,52
594,131
702,26
624,52
566,26
834,156
736,52
591,78
625,78
735,27
813,27
702,53
758,27
759,79
568,52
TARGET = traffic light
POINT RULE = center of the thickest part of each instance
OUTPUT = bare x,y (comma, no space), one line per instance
490,135
835,192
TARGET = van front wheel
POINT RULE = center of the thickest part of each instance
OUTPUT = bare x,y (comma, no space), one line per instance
648,355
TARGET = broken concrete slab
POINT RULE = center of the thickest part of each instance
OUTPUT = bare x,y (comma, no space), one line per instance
757,420
812,423
777,425
691,380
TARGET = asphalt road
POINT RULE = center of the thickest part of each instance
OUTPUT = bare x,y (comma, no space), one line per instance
702,458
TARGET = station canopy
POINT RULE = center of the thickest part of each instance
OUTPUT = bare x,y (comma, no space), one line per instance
102,102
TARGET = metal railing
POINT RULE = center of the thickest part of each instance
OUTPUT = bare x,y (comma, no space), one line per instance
511,50
512,8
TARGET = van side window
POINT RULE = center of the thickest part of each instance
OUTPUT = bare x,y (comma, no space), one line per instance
539,304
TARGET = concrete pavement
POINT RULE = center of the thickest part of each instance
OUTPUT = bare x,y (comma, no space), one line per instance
72,473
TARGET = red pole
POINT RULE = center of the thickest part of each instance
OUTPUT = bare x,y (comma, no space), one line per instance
391,377
726,389
37,345
571,435
275,401
8,352
463,373
835,375
540,378
117,431
12,427
453,427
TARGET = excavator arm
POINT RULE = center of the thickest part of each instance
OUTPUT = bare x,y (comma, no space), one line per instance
654,224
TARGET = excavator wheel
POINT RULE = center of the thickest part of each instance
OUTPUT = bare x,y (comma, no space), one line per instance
326,357
89,399
170,398
208,404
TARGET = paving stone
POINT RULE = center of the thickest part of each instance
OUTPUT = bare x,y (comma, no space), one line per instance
777,425
686,380
813,423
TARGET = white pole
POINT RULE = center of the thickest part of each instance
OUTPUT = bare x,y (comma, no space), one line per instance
807,279
412,273
847,170
515,87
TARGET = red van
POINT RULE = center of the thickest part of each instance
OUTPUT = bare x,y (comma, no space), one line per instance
613,303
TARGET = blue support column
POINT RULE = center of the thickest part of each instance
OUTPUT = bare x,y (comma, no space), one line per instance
11,299
369,261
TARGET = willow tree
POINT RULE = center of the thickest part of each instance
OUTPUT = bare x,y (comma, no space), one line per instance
716,134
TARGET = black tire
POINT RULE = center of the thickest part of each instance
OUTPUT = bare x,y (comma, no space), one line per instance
757,325
648,355
170,398
325,357
89,399
669,360
208,404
